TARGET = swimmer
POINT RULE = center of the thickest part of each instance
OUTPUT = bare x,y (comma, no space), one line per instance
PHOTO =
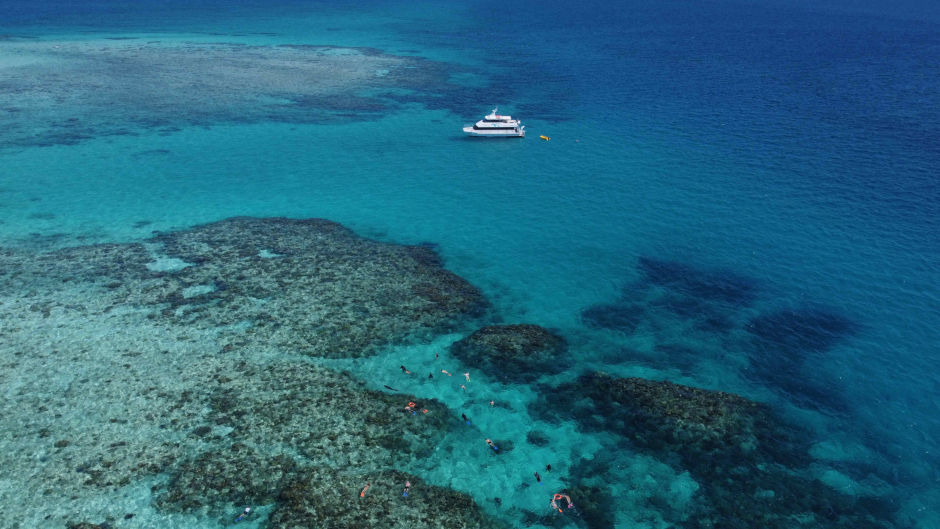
499,502
538,478
407,487
492,403
446,373
548,468
430,376
364,489
244,514
467,376
565,497
493,446
464,417
411,407
463,387
405,370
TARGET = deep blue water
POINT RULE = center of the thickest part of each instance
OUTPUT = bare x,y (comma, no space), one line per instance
770,167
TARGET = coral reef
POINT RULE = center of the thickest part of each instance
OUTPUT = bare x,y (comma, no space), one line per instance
748,462
712,308
513,353
330,500
106,88
186,356
355,294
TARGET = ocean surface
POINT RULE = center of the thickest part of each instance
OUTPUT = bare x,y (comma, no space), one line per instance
736,196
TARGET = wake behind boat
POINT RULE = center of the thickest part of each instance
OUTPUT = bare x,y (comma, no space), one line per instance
496,126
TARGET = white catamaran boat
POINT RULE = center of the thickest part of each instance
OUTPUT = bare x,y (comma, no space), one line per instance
496,126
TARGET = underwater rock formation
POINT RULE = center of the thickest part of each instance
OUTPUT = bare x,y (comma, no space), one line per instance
513,353
750,465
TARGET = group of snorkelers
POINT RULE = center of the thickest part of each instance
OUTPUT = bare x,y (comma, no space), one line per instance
414,409
556,498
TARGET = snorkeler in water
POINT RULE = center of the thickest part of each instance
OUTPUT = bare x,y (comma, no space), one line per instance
557,497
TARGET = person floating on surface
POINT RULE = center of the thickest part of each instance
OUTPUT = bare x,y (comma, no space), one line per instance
430,376
244,514
362,494
548,468
465,419
493,446
538,478
405,370
407,488
446,373
467,376
556,497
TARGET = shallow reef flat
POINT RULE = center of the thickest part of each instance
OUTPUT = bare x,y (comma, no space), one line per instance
185,361
65,92
305,286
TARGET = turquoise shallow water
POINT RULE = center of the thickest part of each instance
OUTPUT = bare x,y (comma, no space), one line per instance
791,148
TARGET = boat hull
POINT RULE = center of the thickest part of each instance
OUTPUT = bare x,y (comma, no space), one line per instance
470,131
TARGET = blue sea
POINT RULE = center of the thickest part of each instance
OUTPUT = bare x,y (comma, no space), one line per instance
787,151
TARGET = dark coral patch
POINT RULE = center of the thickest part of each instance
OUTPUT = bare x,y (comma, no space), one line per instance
329,499
513,352
784,348
711,285
537,438
800,331
734,448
